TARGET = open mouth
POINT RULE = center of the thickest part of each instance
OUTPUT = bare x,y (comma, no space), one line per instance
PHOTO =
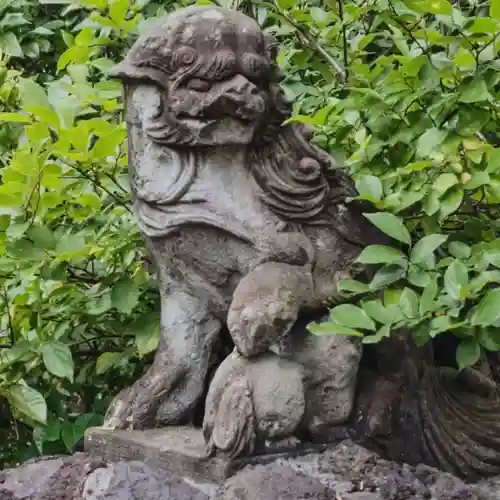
197,121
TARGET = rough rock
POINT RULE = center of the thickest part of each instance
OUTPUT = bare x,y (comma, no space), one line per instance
135,480
350,470
344,472
81,478
274,482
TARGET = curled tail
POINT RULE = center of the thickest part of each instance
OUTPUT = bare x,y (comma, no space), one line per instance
460,414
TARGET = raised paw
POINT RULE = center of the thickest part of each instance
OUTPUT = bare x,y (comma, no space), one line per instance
266,304
260,324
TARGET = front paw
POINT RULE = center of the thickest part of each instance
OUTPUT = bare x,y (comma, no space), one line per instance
128,410
258,325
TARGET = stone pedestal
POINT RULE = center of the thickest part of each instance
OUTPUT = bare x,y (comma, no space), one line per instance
178,451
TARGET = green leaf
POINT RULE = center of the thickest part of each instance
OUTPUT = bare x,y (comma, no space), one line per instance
495,9
12,19
468,353
118,10
100,305
436,6
418,276
125,295
381,254
14,117
46,434
427,299
429,140
487,311
439,324
380,313
444,182
106,145
489,338
57,359
41,30
107,360
409,303
70,243
475,91
450,203
370,187
477,179
479,282
33,94
483,25
455,277
386,275
353,286
425,246
391,225
72,432
494,160
16,230
42,237
384,332
459,250
147,333
420,335
351,316
70,435
28,401
331,328
10,44
19,352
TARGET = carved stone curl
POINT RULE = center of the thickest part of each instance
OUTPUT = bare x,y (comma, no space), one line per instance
247,224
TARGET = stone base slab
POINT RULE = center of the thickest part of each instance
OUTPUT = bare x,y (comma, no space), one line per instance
178,451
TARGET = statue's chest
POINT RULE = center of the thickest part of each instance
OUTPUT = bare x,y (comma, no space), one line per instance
231,192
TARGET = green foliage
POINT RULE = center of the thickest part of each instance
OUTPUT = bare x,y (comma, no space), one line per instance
416,123
79,309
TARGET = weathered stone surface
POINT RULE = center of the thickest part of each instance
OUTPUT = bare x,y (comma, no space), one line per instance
81,478
330,366
351,470
178,451
249,399
136,481
344,472
273,482
26,481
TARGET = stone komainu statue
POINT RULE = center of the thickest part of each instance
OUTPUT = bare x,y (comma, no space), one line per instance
247,226
250,232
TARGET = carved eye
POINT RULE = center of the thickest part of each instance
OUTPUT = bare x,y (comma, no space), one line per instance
198,85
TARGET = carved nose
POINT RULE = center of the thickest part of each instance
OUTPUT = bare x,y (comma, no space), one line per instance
240,88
